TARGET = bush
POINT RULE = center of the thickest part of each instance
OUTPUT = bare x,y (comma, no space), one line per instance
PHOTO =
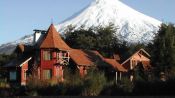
126,85
94,83
4,84
34,83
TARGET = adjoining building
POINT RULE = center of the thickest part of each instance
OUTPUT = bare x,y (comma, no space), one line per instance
139,57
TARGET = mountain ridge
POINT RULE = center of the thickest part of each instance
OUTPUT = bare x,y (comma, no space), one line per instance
134,27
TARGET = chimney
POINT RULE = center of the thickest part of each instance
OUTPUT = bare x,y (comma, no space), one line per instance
38,35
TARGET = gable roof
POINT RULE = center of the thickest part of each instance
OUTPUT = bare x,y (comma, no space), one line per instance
138,56
90,58
84,57
53,40
115,65
98,54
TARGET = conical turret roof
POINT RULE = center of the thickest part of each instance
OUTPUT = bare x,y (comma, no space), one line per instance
53,40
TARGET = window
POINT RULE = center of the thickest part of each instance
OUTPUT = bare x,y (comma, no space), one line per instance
58,56
47,55
25,74
85,71
62,55
47,74
13,75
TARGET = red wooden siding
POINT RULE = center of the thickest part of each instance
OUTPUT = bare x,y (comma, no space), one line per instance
83,71
56,69
24,68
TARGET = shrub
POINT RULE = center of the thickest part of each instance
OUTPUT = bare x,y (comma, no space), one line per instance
126,85
4,84
94,83
35,83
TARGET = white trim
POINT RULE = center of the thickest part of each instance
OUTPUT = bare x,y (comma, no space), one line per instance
120,76
134,54
116,76
25,62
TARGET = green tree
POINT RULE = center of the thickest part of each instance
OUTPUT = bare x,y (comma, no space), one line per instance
106,40
163,48
6,58
139,73
94,83
84,39
99,38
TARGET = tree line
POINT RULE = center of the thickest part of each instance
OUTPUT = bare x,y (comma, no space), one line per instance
104,40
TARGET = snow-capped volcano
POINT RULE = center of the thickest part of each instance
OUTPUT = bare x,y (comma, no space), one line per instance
8,48
132,25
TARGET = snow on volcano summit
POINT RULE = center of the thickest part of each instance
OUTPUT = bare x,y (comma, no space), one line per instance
133,26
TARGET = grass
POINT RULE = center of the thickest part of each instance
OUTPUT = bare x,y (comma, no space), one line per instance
4,84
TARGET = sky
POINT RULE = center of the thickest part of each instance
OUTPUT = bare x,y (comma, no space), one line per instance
20,17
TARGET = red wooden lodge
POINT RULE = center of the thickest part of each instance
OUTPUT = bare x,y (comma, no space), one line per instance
49,55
